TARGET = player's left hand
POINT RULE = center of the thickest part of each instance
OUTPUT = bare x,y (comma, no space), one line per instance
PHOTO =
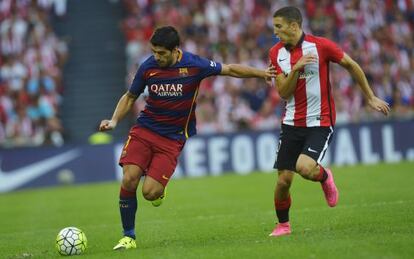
107,125
379,105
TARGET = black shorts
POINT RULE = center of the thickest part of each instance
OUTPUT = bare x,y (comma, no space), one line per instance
293,141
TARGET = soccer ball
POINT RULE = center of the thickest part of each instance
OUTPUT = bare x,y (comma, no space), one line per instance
71,241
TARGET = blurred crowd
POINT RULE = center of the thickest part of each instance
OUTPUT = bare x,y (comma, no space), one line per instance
377,34
31,61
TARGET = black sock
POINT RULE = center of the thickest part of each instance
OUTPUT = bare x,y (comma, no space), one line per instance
282,215
128,207
282,209
324,174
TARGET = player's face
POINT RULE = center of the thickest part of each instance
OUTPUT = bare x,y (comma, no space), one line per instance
283,30
163,56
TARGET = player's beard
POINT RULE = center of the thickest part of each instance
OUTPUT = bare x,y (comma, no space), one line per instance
166,62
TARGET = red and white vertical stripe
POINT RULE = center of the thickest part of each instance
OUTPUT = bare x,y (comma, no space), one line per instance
312,103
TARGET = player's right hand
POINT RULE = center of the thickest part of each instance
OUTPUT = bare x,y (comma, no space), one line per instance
379,105
305,60
107,125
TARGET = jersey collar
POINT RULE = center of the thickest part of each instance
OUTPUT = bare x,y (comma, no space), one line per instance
289,47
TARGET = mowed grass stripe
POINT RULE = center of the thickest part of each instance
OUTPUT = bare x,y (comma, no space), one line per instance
227,216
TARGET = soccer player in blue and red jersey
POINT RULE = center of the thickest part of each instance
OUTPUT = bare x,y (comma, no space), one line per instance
302,66
172,77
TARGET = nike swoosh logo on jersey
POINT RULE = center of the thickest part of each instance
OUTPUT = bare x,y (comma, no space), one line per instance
152,74
312,150
13,179
280,60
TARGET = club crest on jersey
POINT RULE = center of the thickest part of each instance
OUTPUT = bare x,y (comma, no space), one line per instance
183,71
167,89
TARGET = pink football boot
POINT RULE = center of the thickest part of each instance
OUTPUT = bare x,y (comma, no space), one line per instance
330,190
281,229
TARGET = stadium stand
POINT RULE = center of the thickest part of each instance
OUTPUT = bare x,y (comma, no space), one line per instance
378,34
31,64
95,72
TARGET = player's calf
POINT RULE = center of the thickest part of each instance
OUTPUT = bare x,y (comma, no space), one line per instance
307,169
151,189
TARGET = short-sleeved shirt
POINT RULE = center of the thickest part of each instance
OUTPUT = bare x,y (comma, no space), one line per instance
312,103
171,104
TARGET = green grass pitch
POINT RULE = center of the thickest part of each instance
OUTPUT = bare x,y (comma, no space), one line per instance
227,216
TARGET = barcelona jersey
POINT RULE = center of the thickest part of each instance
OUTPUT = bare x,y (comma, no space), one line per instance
171,104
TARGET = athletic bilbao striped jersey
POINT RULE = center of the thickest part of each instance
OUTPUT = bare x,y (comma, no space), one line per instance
312,103
171,104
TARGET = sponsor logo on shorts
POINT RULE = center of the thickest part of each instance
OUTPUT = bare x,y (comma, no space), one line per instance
165,177
312,150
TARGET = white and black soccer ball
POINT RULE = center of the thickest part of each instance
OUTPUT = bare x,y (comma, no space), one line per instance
71,241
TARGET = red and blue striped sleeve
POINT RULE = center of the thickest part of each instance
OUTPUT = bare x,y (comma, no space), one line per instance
138,84
208,67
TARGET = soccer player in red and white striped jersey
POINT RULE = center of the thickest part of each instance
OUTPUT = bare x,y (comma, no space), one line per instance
302,66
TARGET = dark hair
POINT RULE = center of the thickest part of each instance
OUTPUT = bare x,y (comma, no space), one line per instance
290,13
166,37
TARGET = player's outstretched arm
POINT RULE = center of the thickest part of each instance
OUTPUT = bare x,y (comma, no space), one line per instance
124,105
358,74
242,71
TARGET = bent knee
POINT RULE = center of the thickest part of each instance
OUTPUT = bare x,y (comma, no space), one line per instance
284,180
130,182
151,194
284,183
